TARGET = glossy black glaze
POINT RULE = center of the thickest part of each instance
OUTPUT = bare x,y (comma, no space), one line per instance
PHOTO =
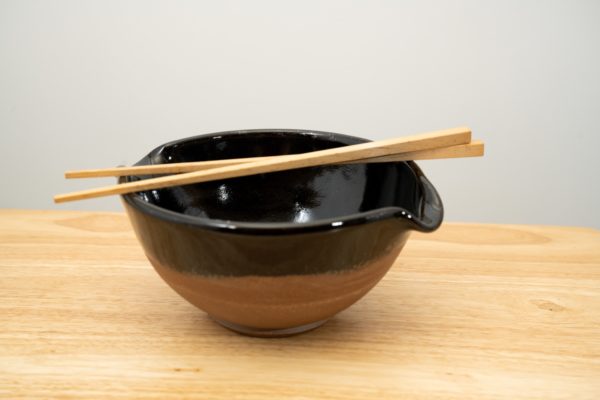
305,221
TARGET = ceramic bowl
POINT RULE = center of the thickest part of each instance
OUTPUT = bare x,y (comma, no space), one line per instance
280,253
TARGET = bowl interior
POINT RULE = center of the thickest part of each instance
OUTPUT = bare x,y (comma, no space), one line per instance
301,195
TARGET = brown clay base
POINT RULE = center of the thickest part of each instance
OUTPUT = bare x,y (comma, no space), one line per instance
269,333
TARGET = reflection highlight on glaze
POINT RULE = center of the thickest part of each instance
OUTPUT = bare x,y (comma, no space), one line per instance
223,193
302,214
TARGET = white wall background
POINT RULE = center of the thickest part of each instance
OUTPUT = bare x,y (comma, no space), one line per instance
99,83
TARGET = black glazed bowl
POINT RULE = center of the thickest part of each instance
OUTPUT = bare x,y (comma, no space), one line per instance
280,253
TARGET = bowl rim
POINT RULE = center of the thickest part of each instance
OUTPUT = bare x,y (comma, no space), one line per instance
430,195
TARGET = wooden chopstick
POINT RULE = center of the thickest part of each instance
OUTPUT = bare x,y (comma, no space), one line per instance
425,141
473,149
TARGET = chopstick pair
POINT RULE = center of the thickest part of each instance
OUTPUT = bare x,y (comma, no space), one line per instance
449,143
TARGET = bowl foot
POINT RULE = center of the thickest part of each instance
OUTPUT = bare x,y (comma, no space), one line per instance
269,333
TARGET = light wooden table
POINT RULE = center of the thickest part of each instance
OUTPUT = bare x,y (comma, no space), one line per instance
471,311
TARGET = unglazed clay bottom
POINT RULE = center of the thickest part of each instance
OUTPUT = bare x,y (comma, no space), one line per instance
270,333
275,306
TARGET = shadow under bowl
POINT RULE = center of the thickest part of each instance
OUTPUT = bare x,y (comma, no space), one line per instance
280,253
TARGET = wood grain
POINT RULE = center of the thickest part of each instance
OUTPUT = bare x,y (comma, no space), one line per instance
468,312
379,148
